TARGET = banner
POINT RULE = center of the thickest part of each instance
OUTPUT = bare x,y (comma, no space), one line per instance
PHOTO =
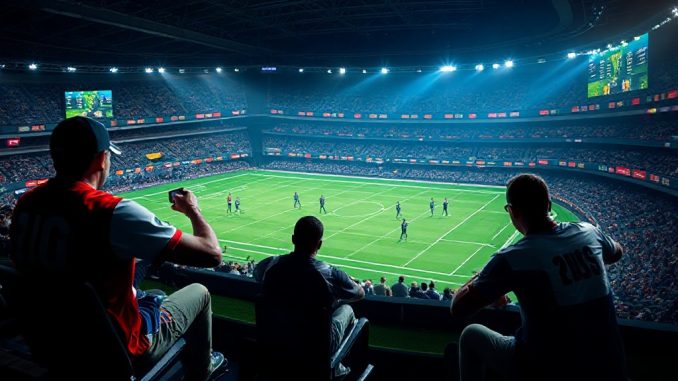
623,171
638,174
153,155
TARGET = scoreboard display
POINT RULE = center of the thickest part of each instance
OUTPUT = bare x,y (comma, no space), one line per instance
619,70
94,104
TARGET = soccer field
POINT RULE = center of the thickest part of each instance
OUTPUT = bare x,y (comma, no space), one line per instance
361,230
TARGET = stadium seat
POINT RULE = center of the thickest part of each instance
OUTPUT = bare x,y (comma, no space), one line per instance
57,314
293,336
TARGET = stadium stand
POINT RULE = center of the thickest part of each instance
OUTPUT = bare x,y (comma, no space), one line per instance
610,160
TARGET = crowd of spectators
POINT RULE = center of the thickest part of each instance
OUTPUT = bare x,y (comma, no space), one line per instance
19,168
461,92
645,281
631,128
28,103
657,161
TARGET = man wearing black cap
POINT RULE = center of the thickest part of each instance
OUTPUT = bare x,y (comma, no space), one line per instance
90,234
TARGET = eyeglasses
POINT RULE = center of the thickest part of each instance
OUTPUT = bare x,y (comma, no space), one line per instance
507,207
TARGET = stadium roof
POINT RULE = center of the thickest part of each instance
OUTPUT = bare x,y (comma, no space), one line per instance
347,32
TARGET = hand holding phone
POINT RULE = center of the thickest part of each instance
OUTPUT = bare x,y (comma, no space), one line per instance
184,201
175,192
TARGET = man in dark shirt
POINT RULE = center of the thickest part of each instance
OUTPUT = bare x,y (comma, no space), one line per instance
557,271
307,239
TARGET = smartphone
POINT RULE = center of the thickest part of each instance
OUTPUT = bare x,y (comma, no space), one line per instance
173,193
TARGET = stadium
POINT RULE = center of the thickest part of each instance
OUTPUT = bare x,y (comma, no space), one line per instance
397,124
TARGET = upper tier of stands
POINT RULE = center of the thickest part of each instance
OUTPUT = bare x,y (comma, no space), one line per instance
23,103
658,161
547,86
645,128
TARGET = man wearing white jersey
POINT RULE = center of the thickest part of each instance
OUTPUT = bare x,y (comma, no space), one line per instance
557,271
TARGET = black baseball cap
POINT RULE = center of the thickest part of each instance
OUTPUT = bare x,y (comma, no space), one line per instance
80,136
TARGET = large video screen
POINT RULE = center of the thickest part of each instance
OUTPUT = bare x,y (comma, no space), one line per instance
619,70
95,103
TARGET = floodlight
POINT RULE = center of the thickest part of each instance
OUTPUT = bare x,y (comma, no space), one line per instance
480,67
342,70
571,55
508,63
33,66
149,70
113,69
384,70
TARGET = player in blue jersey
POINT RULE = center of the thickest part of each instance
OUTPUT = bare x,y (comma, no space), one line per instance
322,204
296,200
432,205
398,209
403,230
237,205
557,272
445,207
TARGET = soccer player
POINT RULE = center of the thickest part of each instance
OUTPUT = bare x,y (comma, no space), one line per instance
445,207
398,209
237,204
296,200
403,230
322,204
432,205
229,202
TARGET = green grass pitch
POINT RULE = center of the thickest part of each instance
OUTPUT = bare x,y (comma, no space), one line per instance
361,231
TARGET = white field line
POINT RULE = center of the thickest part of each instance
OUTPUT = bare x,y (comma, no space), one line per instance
387,233
328,256
466,260
362,220
282,184
372,236
207,182
223,216
345,266
510,239
451,230
275,232
426,243
394,230
239,188
375,183
291,226
502,229
384,236
256,245
277,214
467,242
